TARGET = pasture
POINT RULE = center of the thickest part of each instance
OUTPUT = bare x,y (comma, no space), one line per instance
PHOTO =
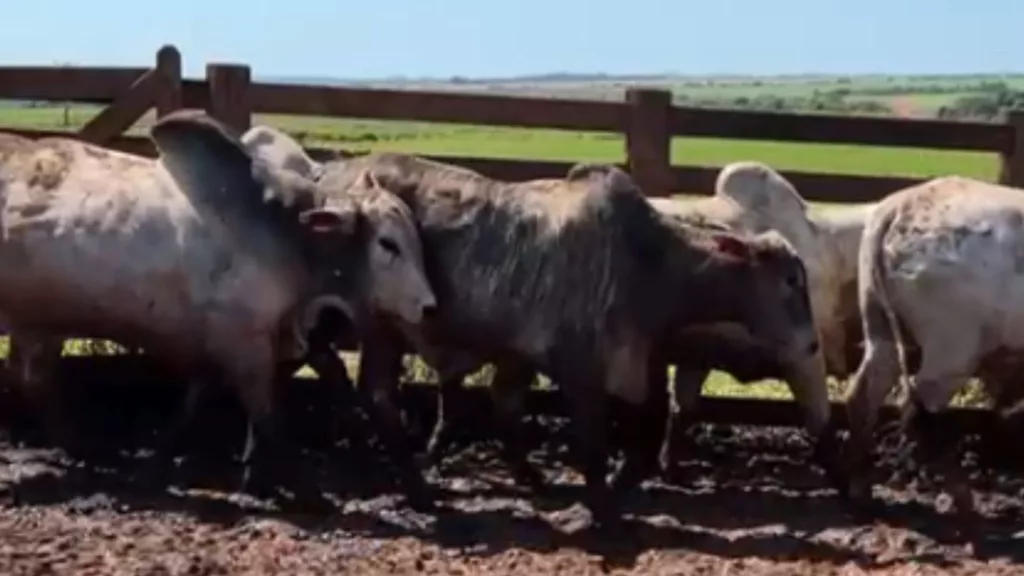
497,142
917,95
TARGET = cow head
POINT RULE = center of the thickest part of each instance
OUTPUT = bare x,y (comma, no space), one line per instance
754,198
770,293
388,256
364,245
773,303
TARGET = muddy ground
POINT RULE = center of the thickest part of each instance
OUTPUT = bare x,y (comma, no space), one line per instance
747,504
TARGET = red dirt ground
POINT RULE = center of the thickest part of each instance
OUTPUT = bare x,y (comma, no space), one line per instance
748,505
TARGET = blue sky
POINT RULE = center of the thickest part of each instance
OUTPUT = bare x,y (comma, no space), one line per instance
442,38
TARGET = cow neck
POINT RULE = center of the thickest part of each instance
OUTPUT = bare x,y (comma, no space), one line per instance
711,286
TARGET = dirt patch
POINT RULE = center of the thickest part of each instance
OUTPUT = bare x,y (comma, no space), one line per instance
747,504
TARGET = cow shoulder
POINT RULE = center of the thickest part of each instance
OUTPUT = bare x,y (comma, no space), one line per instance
615,196
691,213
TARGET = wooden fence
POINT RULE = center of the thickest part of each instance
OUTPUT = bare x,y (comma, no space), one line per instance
647,118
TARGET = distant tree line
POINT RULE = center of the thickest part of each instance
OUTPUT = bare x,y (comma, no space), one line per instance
980,98
983,101
988,104
824,102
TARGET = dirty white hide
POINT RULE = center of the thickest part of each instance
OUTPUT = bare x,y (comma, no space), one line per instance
942,269
202,257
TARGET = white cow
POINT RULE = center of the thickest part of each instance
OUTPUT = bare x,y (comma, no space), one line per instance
941,270
203,257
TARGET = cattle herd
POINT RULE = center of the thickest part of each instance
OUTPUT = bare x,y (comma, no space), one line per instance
234,256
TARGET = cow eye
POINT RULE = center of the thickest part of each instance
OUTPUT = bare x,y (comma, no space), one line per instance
795,281
389,245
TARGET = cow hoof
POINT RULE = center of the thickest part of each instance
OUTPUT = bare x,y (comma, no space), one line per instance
671,473
575,518
155,475
418,493
430,466
422,503
434,453
580,518
311,503
863,509
855,489
256,485
419,496
530,478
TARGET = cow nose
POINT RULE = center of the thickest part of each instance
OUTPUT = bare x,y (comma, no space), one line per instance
813,347
429,310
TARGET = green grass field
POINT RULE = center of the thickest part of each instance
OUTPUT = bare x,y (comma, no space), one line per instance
462,140
442,139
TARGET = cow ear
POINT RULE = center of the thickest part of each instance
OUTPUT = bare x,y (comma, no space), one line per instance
367,179
760,188
732,246
329,221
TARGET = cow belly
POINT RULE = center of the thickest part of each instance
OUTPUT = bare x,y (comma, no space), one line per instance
156,294
87,310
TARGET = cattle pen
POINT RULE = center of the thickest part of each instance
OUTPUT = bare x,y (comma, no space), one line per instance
733,526
647,119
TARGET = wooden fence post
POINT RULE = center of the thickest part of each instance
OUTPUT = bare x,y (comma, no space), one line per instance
1012,170
649,140
229,94
168,65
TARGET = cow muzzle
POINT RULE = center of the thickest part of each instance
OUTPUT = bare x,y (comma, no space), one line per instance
813,347
420,310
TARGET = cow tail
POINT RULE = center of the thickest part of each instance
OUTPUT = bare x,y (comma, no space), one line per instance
880,317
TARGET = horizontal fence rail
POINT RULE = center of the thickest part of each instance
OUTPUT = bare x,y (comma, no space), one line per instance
788,127
646,118
88,85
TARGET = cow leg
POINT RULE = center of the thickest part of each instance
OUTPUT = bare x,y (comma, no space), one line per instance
508,398
323,358
588,410
936,445
332,370
33,357
878,373
169,442
686,391
449,396
644,427
267,451
810,391
379,373
947,365
999,442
